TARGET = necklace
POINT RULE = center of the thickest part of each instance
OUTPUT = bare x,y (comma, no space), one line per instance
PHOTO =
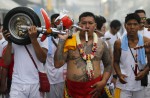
87,57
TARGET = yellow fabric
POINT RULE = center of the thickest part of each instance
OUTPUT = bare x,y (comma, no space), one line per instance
70,44
108,92
117,93
66,92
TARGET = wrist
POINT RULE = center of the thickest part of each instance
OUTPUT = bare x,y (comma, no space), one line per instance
62,40
33,40
115,76
9,43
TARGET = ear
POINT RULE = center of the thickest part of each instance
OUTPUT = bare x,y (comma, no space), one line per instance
125,25
95,25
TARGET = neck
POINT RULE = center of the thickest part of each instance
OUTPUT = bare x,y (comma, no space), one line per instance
112,32
132,38
82,36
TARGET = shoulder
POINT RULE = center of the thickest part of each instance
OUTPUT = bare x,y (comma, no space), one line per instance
107,33
101,41
146,39
117,43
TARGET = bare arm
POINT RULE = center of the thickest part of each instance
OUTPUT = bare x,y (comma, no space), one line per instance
60,57
117,54
141,74
8,50
40,52
106,58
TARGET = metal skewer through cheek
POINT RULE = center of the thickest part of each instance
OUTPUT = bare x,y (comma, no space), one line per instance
138,47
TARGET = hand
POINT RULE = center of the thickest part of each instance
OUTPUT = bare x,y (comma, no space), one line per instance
114,81
98,87
122,78
3,89
6,35
64,36
3,80
140,75
147,44
32,31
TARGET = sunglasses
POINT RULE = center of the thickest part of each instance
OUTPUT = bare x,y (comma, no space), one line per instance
143,18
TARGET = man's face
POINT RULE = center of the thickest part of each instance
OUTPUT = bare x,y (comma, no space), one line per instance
143,18
115,30
103,29
53,23
88,23
132,27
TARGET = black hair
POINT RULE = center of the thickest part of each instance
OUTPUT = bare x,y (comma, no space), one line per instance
100,20
140,11
132,16
115,23
148,21
85,14
54,16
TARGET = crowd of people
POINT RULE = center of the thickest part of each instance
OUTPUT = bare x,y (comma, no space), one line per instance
94,63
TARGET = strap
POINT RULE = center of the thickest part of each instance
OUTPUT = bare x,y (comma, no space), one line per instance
54,41
135,60
31,56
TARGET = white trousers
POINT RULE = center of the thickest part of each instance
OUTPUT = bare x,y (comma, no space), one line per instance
56,91
25,91
132,94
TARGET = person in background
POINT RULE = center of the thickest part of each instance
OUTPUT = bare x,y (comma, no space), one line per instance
142,30
56,75
145,32
130,64
5,71
101,25
115,26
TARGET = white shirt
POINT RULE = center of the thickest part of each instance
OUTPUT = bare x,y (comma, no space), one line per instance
144,32
24,71
127,64
2,44
112,40
55,75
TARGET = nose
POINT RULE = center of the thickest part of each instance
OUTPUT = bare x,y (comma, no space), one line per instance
132,26
87,25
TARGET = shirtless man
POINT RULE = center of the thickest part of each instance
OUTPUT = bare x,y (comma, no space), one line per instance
84,78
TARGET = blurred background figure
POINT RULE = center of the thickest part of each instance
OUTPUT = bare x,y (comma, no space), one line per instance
115,26
101,25
56,75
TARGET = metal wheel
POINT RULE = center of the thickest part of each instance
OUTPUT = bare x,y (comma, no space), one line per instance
20,16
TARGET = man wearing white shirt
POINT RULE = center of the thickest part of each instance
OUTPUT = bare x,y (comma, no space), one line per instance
144,31
115,26
56,75
25,79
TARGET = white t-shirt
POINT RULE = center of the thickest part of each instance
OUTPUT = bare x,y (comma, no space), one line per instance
144,32
55,75
2,43
24,71
113,38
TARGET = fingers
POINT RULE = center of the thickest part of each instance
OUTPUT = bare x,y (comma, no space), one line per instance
32,29
93,91
147,44
122,79
95,95
139,76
